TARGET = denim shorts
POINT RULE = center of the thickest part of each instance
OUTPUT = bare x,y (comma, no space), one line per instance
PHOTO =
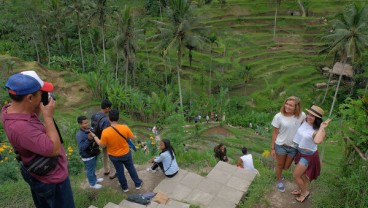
285,150
303,160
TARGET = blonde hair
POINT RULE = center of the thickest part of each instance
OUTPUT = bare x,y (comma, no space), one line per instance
298,106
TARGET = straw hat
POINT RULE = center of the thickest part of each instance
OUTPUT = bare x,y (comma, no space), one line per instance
316,111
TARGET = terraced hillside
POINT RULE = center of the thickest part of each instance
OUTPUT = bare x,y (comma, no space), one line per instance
248,59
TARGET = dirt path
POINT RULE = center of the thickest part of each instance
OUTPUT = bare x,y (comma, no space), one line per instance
150,180
286,199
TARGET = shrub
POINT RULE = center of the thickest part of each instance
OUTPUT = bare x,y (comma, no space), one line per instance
9,167
176,131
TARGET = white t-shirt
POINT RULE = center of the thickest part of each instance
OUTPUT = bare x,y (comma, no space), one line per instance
247,162
304,137
287,128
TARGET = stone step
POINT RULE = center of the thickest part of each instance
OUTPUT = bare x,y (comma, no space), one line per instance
223,187
111,205
129,204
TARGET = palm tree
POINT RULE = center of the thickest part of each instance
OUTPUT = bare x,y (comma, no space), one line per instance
183,29
57,15
213,41
348,39
77,8
126,40
98,14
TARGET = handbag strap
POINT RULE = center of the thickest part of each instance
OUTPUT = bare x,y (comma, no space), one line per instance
119,133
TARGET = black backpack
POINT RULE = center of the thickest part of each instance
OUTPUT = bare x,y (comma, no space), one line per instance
95,124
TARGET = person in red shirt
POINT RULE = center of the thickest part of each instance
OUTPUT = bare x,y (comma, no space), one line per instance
32,139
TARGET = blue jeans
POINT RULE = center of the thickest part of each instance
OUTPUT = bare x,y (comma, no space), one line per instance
303,160
90,170
127,161
285,150
54,195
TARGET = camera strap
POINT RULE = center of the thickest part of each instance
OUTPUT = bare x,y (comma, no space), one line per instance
120,134
58,131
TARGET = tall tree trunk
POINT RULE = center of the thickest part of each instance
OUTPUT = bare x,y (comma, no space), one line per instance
133,71
328,84
103,43
80,41
36,47
209,86
116,66
148,61
126,72
93,49
275,21
58,40
304,13
159,1
334,98
332,106
48,52
178,68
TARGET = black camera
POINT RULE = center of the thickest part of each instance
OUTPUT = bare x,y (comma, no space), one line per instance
45,96
90,130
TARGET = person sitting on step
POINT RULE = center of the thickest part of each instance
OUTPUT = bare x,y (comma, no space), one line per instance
166,160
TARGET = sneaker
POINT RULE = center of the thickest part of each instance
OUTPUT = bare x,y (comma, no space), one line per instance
125,190
140,186
96,186
280,186
99,180
151,170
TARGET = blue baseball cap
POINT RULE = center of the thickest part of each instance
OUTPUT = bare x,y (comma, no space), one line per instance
27,82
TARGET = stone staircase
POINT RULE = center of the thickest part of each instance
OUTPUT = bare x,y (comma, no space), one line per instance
223,187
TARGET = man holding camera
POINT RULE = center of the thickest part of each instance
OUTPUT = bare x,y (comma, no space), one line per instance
34,141
88,150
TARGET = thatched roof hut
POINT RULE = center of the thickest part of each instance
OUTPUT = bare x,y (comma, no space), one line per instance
347,70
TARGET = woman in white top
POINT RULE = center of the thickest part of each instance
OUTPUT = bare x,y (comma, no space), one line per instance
285,124
309,134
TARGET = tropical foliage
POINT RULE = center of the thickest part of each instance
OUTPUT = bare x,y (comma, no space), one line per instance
164,62
349,37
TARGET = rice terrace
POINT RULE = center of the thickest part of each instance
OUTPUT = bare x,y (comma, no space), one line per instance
203,73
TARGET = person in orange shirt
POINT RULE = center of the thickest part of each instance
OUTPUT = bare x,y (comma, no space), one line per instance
115,139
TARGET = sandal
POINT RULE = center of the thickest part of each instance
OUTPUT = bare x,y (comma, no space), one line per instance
302,197
296,192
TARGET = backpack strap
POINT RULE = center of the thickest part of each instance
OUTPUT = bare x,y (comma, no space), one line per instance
98,129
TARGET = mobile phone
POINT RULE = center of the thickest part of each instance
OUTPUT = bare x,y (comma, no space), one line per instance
45,97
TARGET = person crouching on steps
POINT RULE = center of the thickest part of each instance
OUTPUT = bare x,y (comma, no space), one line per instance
220,152
166,160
